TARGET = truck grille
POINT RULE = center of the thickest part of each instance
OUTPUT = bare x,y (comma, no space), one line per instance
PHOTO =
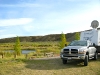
66,51
72,51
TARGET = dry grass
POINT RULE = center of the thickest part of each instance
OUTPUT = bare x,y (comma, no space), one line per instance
48,67
22,66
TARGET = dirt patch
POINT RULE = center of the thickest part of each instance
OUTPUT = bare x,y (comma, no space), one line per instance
46,58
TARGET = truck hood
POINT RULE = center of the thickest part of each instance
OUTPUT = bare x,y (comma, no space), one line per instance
75,47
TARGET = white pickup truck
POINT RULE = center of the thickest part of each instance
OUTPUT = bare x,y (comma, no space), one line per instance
79,50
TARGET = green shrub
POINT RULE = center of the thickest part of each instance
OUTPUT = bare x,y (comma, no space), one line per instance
8,54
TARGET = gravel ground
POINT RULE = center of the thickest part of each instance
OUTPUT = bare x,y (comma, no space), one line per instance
46,58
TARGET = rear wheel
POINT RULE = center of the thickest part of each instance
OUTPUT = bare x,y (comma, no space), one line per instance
86,60
64,61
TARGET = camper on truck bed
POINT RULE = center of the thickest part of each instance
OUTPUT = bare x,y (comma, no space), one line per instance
87,47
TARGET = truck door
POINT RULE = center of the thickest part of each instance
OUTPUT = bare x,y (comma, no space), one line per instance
91,49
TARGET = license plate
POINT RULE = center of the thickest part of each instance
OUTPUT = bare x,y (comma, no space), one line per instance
69,58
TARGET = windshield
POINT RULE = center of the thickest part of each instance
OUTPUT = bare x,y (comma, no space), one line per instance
78,43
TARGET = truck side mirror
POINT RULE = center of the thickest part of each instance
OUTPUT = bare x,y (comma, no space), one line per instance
93,44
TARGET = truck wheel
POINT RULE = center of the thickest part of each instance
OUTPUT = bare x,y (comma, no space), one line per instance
64,61
86,60
95,56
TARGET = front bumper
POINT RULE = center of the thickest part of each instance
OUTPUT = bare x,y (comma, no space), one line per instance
72,56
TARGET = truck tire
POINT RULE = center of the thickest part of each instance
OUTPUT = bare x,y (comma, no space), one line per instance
64,61
95,56
86,60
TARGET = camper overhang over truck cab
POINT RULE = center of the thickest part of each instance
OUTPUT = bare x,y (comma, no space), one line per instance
92,35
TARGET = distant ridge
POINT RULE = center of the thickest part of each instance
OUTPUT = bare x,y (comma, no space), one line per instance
51,37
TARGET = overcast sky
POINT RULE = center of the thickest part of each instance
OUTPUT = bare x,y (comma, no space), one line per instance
43,17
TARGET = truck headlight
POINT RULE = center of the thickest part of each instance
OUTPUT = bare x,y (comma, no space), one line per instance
82,51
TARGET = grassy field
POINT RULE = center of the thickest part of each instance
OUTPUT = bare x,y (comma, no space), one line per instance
39,47
48,67
30,45
22,66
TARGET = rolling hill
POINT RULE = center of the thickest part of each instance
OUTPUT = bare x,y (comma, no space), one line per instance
51,37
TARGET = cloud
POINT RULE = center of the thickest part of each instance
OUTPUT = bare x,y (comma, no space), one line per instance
20,5
13,22
78,20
